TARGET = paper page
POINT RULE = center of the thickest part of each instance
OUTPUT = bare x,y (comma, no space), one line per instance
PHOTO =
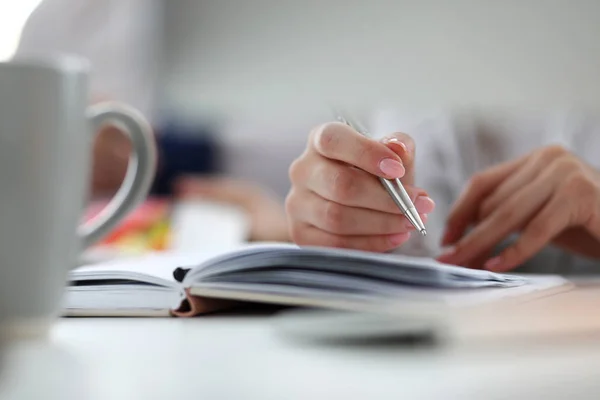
405,297
419,263
476,296
152,267
132,300
388,267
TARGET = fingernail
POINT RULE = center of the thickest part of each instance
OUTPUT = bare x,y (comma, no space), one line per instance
394,140
392,168
398,239
447,254
493,263
424,204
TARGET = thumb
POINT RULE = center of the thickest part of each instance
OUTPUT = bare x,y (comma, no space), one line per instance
404,146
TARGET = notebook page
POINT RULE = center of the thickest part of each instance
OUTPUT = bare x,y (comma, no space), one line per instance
403,297
409,270
534,283
156,267
419,262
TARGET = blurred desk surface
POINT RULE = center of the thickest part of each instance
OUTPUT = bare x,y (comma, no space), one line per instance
235,357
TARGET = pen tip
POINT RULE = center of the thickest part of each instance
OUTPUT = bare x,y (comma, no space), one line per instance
423,232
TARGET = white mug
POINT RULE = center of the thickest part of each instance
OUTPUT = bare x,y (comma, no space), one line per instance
47,130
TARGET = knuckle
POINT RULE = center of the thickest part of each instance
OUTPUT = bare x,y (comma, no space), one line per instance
296,171
555,151
290,204
326,138
298,234
334,217
476,181
535,230
579,184
486,209
581,191
565,165
552,152
506,213
476,184
342,183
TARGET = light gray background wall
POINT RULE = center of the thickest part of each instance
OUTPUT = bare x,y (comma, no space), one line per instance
261,55
274,63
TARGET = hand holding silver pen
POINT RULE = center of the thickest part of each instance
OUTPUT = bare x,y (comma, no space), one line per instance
336,200
394,187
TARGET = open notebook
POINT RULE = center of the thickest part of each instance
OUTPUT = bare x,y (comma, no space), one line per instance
191,284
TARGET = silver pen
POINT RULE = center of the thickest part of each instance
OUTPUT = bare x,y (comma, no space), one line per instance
394,187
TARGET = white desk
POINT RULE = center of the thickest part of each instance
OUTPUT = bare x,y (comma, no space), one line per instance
244,358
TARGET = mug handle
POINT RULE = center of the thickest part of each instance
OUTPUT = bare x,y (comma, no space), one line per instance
140,169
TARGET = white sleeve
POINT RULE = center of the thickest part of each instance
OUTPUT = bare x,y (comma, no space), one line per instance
438,168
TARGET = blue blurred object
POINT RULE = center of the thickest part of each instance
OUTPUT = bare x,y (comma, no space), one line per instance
184,150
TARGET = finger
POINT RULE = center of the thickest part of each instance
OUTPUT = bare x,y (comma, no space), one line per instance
306,235
352,187
465,210
475,263
113,141
403,145
547,224
338,141
479,262
511,184
111,150
512,214
339,219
